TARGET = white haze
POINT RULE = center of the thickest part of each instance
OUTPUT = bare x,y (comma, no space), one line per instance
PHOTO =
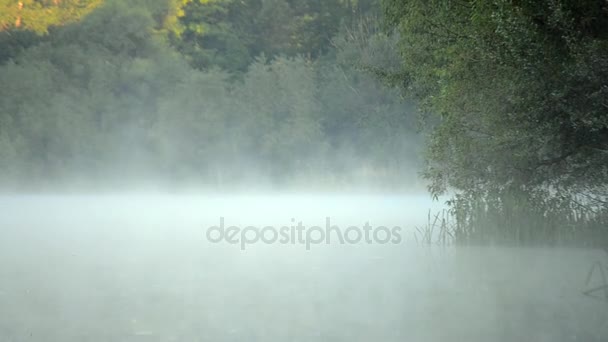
138,267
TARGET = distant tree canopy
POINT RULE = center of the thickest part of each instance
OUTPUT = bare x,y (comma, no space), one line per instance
228,34
231,34
38,15
108,97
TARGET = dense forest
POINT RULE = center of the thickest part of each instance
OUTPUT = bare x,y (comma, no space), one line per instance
210,93
502,104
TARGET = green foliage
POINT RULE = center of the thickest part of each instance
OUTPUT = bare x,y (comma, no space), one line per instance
108,99
231,34
518,89
14,42
39,15
280,109
208,37
517,86
365,120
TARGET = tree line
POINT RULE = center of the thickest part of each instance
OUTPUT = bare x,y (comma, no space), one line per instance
201,92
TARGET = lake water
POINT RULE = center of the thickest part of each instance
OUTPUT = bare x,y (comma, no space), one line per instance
118,267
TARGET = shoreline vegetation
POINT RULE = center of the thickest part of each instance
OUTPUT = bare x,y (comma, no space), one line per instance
517,95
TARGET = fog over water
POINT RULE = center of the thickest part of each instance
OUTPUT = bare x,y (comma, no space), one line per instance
263,171
139,267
